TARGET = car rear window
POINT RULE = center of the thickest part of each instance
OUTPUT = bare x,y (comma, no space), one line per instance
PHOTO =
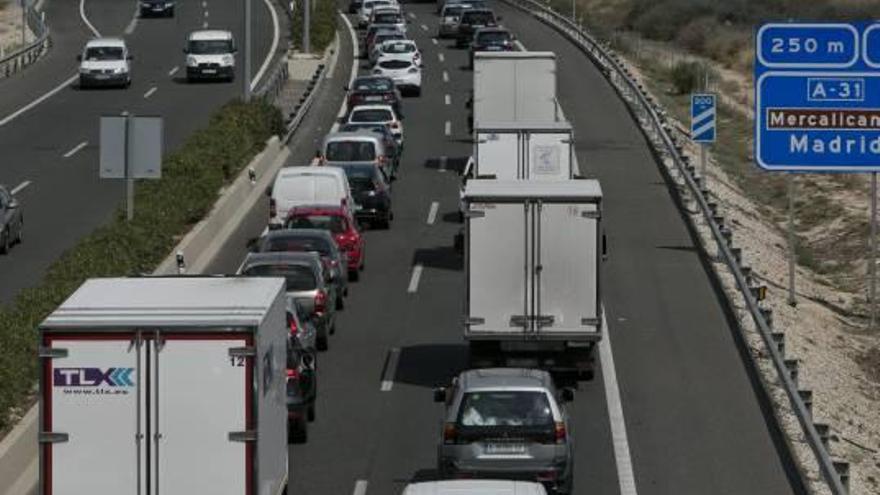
398,48
381,38
477,18
94,53
298,244
373,84
388,18
505,408
297,277
493,37
333,223
372,115
395,64
350,151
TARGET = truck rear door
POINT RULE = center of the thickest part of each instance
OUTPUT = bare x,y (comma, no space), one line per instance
91,421
567,268
499,154
499,281
549,156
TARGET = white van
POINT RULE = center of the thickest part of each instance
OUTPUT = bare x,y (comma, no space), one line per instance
210,54
307,186
104,62
475,487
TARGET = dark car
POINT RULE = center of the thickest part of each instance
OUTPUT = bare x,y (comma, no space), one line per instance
471,21
374,90
391,146
354,6
493,39
11,221
371,192
302,390
162,8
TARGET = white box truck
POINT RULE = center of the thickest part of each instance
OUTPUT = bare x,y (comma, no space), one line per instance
165,386
532,256
515,86
524,150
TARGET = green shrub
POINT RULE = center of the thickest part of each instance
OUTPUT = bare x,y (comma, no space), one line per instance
323,23
686,77
164,209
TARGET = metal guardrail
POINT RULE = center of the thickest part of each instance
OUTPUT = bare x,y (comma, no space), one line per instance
657,128
305,102
24,56
275,82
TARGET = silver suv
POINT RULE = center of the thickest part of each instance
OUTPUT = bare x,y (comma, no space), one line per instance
506,423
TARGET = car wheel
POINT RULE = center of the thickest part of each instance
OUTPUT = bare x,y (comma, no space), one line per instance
340,303
311,413
322,342
20,237
297,432
353,275
4,246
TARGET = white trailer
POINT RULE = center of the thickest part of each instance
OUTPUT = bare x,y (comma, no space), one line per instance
165,386
515,86
532,257
524,150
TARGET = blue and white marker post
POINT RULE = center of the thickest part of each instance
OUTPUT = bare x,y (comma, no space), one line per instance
703,125
817,97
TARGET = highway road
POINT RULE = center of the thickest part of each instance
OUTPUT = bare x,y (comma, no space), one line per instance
691,418
49,128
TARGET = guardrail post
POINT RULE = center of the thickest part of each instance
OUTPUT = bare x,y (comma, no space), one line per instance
779,339
824,432
792,366
737,254
842,468
807,399
767,314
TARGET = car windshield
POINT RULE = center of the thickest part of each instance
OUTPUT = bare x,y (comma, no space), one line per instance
493,37
381,38
453,11
333,223
372,115
373,84
298,244
505,408
210,47
95,53
297,277
388,18
398,48
477,18
350,151
395,64
373,5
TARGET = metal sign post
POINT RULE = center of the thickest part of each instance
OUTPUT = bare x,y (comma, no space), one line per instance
792,246
703,125
246,56
306,29
872,268
24,23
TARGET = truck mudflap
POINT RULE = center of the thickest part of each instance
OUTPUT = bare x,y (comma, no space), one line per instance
556,357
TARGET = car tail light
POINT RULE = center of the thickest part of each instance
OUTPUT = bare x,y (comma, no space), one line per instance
273,208
549,475
560,432
395,125
292,374
291,324
387,97
320,302
449,433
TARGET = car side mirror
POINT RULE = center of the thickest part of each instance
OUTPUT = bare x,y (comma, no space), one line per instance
185,50
129,57
79,58
566,394
440,394
252,244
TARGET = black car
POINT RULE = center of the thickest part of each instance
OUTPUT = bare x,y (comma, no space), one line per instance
302,390
372,193
471,21
11,221
387,137
160,8
493,39
354,6
374,90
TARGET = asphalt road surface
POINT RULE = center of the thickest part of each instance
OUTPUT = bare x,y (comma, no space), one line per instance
50,149
692,421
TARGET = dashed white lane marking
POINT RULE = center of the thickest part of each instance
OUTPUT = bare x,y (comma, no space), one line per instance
622,457
519,46
387,383
414,280
207,14
75,149
445,76
360,487
442,167
441,57
448,128
39,100
205,25
150,92
424,28
447,99
412,16
173,71
204,5
276,36
434,40
82,15
432,213
19,188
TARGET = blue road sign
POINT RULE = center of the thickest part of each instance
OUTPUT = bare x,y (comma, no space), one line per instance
817,97
703,118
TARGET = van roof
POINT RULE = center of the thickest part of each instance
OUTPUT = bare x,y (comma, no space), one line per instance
475,487
105,42
356,135
191,302
211,34
290,172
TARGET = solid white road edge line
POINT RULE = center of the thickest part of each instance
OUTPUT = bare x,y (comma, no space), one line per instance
448,128
354,66
432,213
19,188
414,280
150,92
360,487
82,15
448,100
39,100
388,378
276,34
173,71
622,457
75,149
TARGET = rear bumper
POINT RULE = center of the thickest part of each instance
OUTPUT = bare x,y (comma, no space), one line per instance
554,476
210,72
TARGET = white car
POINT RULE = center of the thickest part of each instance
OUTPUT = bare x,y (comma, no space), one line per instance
388,16
307,186
210,54
378,114
406,74
105,62
400,50
367,10
382,37
475,487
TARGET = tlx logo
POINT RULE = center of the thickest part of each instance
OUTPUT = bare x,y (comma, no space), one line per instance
93,377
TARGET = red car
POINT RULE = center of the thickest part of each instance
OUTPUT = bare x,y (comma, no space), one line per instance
342,226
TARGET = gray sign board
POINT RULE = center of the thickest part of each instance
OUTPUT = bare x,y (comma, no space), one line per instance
141,137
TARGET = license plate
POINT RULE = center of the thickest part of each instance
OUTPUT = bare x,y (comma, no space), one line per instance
209,71
102,76
505,449
373,98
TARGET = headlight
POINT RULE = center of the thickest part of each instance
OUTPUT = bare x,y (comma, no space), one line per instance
191,61
119,70
228,60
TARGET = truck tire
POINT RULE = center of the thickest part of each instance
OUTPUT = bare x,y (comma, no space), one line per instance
297,432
